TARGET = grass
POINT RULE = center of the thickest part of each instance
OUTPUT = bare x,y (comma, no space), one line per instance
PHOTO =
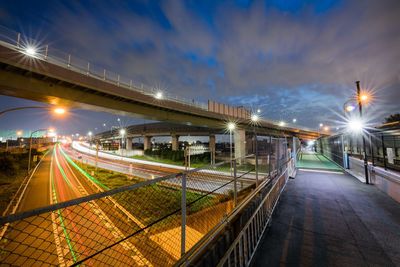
13,170
155,200
169,161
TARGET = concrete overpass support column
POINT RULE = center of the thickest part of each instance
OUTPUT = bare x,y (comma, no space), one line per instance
240,143
211,146
175,142
147,142
129,143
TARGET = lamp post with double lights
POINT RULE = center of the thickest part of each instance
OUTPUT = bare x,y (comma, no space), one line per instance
357,125
360,99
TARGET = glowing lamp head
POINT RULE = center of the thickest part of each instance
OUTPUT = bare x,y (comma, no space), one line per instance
350,108
282,123
258,110
363,97
321,125
122,132
231,126
294,120
19,133
254,117
355,125
30,51
59,111
326,128
159,95
90,133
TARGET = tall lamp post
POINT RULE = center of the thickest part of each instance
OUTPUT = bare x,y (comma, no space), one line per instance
360,98
254,120
30,146
231,127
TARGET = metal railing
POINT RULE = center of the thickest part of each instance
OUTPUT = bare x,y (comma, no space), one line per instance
167,216
20,43
244,247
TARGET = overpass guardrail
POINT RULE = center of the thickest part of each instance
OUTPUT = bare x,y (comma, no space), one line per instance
42,51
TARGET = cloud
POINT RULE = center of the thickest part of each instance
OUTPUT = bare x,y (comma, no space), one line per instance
283,57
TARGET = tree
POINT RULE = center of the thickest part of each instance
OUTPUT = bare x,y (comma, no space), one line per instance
393,118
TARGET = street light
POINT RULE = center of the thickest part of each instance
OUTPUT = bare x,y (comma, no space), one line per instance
231,127
30,51
30,145
57,110
254,120
122,132
360,99
294,120
282,123
159,95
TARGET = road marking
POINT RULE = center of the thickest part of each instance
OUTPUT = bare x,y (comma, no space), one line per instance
126,245
57,241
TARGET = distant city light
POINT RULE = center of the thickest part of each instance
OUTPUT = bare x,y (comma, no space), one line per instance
30,51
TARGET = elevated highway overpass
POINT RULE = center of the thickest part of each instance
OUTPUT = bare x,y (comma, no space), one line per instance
61,80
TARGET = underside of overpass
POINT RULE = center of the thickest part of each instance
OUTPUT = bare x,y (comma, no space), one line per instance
44,81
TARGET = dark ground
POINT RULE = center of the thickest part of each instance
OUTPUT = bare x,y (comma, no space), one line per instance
328,219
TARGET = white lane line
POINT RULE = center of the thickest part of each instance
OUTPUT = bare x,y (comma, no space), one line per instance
53,197
139,257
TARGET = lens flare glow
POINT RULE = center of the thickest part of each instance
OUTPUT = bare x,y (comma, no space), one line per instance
231,126
30,51
355,125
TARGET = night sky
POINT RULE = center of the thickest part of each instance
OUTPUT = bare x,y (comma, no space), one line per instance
291,59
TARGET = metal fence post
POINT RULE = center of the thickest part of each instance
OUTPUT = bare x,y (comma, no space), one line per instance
234,182
383,152
183,226
269,156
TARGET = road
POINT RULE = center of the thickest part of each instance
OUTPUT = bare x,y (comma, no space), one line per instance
66,236
207,180
71,234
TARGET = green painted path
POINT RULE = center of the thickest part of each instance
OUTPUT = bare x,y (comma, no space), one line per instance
312,160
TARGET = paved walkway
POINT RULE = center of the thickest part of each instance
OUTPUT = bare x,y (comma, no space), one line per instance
331,219
312,160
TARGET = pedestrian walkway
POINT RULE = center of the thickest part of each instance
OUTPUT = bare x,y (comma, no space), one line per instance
332,219
312,160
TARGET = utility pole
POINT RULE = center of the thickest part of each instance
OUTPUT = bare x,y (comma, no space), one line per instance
362,133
